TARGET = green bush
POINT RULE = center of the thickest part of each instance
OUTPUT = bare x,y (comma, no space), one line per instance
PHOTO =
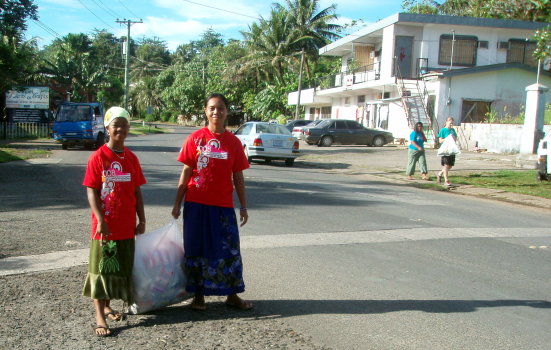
281,119
150,118
165,116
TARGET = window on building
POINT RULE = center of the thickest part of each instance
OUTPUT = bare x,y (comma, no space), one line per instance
464,50
521,51
474,111
325,112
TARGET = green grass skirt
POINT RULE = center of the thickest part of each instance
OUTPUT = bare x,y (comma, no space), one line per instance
115,281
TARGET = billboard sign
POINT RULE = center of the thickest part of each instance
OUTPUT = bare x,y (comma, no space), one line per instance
32,97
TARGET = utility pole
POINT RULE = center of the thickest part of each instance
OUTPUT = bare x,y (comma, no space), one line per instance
297,111
127,58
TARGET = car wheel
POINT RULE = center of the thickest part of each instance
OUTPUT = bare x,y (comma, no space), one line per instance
289,161
249,158
267,160
378,141
326,141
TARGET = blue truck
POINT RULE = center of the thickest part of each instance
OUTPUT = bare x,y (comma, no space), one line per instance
79,124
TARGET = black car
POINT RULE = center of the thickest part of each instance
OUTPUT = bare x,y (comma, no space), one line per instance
345,132
299,122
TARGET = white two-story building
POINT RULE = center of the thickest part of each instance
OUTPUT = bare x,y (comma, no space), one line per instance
411,67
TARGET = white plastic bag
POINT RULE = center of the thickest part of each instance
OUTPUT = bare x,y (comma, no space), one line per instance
158,277
448,147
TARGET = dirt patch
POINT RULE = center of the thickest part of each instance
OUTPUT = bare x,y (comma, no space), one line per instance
47,311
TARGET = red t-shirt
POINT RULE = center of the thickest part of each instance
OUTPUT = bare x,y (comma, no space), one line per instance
116,176
214,158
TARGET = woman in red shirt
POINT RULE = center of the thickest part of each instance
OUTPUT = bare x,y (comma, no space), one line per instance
113,179
214,161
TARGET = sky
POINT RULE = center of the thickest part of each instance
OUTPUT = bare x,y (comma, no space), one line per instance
177,21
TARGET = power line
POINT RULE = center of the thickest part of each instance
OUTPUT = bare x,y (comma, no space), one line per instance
46,28
133,14
86,7
106,8
219,9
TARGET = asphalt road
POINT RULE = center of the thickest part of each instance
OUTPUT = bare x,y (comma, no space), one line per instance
347,261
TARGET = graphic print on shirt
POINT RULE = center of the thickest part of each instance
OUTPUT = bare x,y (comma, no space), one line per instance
110,177
212,149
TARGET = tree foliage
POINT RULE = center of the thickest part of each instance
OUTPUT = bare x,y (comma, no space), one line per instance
255,73
532,10
14,15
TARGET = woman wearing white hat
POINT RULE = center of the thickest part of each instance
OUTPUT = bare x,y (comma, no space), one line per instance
113,179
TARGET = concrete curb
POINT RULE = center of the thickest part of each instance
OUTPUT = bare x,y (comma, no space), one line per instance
43,262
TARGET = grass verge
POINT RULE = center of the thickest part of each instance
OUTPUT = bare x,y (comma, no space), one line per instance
8,154
140,129
518,181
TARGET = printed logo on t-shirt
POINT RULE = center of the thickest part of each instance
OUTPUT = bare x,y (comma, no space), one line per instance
211,150
110,177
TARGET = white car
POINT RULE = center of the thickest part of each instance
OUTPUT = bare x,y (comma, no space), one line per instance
544,155
268,141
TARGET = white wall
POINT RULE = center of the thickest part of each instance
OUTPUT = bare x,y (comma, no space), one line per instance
397,122
387,54
502,88
495,138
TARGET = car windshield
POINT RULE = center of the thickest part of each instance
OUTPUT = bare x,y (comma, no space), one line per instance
68,113
272,129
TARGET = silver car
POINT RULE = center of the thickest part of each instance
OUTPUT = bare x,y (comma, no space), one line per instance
268,141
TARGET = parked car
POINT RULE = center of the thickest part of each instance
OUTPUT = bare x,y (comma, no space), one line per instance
79,124
268,141
345,132
294,123
544,153
298,131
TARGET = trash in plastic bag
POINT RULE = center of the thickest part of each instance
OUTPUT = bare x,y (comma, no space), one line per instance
158,277
448,147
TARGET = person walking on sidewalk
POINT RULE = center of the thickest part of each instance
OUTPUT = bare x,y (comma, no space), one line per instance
416,152
214,161
447,161
113,179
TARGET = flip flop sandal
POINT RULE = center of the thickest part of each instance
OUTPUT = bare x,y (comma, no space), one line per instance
117,316
243,305
95,327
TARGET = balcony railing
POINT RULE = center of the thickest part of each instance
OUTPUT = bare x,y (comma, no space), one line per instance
348,78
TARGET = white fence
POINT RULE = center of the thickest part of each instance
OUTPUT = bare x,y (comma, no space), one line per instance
24,130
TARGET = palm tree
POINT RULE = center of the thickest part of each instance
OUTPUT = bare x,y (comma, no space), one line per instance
270,42
152,56
313,28
70,61
144,94
17,62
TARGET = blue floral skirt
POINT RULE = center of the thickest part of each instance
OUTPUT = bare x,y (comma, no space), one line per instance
212,254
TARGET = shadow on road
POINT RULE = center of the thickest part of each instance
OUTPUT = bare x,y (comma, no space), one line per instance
287,308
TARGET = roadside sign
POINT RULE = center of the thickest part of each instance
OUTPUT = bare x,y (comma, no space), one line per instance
31,97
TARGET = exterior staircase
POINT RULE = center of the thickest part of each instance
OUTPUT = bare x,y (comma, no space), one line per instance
414,96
